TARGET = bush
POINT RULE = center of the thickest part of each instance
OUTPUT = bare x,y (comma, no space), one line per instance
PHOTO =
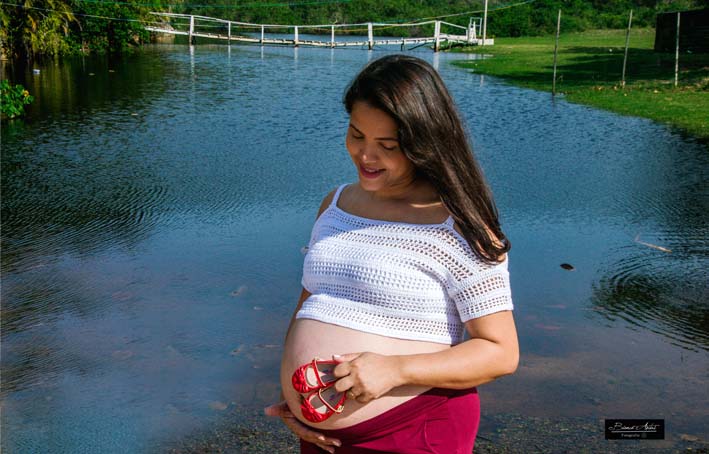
13,99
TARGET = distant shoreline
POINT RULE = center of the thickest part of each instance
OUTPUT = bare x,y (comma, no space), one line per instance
589,72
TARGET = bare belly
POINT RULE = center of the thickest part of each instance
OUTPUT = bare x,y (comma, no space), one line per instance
309,339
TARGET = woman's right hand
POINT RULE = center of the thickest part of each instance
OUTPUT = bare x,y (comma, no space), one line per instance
301,430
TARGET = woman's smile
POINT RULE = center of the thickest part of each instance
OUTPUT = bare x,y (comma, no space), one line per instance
370,172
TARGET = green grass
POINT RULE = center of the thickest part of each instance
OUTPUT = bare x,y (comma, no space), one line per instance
589,68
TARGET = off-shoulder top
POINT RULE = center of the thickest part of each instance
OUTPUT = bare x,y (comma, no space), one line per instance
408,281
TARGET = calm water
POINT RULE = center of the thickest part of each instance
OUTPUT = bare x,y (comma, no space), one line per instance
155,207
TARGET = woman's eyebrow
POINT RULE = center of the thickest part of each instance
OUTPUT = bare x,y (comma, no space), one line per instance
376,138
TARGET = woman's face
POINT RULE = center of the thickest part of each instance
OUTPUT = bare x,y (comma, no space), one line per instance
373,144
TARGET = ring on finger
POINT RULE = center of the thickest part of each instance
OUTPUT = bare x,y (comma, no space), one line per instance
351,394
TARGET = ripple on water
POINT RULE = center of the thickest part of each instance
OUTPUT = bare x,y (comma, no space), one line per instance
71,194
666,293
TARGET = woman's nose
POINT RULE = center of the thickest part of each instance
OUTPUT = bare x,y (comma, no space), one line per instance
368,153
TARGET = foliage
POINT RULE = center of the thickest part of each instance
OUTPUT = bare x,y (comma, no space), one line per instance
40,27
95,33
61,27
13,99
539,18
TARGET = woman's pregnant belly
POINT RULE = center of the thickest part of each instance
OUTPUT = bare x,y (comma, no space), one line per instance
309,339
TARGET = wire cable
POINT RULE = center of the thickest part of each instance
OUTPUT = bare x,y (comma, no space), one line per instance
385,25
192,5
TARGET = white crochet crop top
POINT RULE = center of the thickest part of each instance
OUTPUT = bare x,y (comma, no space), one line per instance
408,281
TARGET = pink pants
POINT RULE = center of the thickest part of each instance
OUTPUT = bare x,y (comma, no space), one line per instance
439,421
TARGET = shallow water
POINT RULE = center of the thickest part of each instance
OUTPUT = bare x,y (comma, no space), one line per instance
155,207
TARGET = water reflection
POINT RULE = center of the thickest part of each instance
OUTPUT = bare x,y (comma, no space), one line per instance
153,218
660,281
665,293
80,189
74,202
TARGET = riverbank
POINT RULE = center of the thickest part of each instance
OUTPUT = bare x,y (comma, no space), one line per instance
589,68
247,431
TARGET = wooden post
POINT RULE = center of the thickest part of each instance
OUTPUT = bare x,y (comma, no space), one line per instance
370,36
332,36
229,40
437,36
627,42
295,37
262,34
403,43
191,30
556,48
475,33
485,24
677,53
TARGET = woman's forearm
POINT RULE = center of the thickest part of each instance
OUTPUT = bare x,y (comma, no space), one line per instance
304,295
465,365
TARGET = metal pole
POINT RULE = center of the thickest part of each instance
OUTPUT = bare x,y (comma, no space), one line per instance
262,33
332,37
677,53
437,36
191,28
485,24
556,48
295,37
627,42
229,40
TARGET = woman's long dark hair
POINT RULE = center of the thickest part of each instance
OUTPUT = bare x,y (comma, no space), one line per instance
432,136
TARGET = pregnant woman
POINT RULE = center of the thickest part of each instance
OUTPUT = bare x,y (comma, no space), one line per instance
400,265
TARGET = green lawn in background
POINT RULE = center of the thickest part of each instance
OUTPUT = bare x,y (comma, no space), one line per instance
589,68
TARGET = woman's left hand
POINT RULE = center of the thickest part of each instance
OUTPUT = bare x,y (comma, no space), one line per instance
367,376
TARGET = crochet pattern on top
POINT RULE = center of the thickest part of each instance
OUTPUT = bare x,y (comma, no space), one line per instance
408,281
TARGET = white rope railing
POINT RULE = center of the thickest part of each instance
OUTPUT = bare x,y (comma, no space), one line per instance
469,37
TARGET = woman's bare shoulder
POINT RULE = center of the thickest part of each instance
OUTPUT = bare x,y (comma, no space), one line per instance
326,201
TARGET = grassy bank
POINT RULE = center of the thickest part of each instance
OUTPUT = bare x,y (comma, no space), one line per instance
589,68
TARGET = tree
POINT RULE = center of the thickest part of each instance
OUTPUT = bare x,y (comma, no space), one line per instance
40,27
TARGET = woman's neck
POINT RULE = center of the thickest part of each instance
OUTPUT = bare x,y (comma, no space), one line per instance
417,192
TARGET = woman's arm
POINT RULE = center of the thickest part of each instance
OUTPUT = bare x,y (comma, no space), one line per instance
304,295
492,351
281,409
